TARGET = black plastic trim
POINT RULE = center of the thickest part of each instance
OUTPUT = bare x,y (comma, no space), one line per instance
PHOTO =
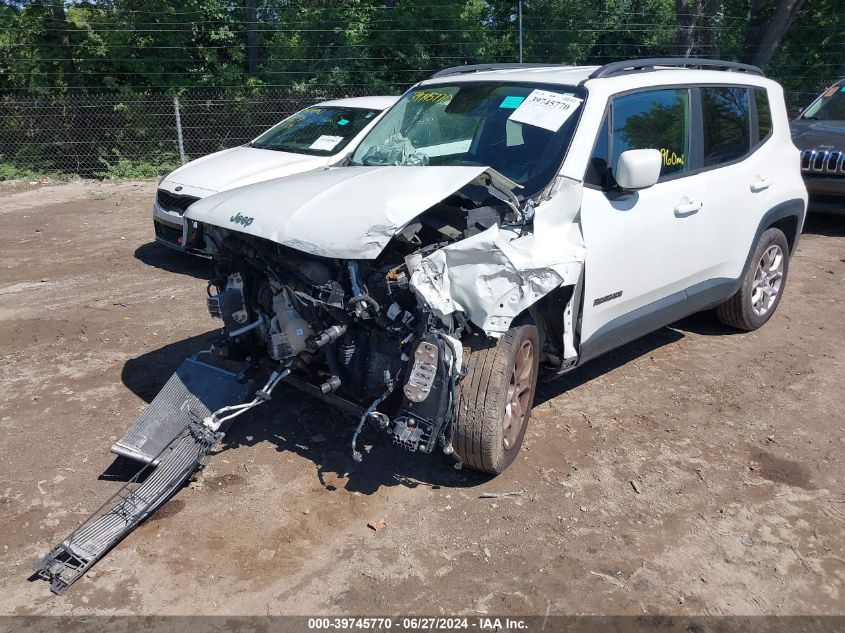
652,64
477,68
701,296
633,325
176,246
752,114
658,314
790,208
708,294
696,141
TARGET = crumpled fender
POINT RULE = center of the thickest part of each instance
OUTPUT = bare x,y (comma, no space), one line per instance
495,275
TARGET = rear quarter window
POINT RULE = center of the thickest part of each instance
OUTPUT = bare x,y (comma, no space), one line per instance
764,114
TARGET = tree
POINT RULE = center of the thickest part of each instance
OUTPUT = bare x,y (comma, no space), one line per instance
386,45
687,14
767,28
253,55
60,35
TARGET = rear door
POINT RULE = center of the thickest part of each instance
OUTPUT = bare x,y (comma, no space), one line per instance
642,248
738,183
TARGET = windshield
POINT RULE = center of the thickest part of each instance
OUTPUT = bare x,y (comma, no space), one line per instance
829,107
519,129
319,130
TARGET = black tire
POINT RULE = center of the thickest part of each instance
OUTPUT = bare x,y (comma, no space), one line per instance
738,311
479,435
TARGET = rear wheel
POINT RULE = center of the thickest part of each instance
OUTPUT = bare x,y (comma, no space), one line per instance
762,287
495,400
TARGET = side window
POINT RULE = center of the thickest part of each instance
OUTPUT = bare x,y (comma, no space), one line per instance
727,125
657,119
764,114
597,167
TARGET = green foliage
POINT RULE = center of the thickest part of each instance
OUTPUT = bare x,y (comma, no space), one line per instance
11,171
117,53
118,167
126,45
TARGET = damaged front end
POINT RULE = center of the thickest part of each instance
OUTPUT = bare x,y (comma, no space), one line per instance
416,288
375,316
352,329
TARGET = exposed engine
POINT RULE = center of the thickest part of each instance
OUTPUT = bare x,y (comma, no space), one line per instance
354,329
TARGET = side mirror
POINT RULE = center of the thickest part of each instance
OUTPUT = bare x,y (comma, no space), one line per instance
638,168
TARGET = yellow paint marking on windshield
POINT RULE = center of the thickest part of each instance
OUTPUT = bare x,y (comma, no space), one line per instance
431,97
671,158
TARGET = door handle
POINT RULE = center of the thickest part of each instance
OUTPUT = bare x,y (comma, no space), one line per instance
760,184
687,207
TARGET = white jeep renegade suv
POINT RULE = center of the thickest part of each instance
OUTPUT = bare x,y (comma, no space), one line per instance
499,220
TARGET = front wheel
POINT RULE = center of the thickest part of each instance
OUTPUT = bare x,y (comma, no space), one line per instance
495,400
762,287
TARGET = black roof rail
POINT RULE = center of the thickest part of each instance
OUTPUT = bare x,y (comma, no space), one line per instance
639,65
477,68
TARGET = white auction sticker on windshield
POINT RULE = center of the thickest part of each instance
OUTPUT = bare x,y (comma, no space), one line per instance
325,143
548,110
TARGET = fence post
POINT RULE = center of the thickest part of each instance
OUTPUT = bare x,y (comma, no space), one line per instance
179,129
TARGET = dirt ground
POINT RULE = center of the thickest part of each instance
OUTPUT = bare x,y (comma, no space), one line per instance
697,471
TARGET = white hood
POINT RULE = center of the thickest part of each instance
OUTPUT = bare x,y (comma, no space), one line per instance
343,212
241,166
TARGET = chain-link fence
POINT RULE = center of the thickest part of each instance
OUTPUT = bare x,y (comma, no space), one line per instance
135,135
145,135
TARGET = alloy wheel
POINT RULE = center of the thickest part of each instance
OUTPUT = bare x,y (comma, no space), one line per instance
768,280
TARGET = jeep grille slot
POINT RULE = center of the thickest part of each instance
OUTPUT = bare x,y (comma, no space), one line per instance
823,162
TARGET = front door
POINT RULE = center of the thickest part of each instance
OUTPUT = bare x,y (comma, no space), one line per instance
642,248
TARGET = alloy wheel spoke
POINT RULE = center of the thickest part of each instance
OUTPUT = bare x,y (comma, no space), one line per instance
775,258
522,367
516,410
510,393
